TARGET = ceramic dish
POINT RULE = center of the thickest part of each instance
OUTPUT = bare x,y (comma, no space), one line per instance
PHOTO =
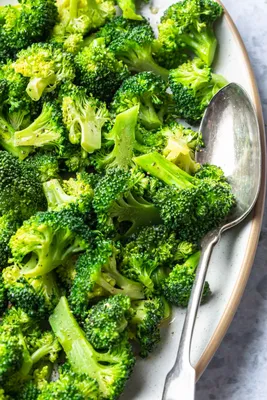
232,258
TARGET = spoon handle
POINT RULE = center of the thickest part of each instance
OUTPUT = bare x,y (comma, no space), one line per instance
180,382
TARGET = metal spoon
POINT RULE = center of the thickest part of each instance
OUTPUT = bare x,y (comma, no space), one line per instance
231,134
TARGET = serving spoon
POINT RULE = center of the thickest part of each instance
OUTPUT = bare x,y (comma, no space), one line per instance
231,134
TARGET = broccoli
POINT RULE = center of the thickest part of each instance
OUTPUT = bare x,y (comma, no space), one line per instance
105,323
110,369
21,193
146,90
84,118
192,206
193,85
46,65
45,166
73,193
131,41
187,26
32,387
128,9
99,71
3,296
178,285
47,239
97,276
46,131
28,22
73,158
8,226
36,297
118,205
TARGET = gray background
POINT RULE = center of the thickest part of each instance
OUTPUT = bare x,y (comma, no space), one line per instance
239,369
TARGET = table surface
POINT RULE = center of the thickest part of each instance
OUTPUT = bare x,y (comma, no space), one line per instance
239,369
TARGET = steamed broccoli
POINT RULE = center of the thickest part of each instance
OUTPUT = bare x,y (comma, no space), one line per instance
193,85
192,206
128,9
28,22
74,158
8,226
110,369
3,296
131,41
46,65
84,118
99,71
45,166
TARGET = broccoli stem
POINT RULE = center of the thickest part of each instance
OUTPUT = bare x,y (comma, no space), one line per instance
55,195
128,10
27,361
41,353
73,9
203,43
156,165
192,262
148,115
37,86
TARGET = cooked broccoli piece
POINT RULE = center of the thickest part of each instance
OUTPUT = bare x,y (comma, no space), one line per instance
45,166
192,206
21,193
46,65
211,172
36,296
187,26
3,296
184,251
151,248
28,22
178,285
97,276
46,131
84,117
128,9
144,325
110,369
74,158
105,323
75,194
146,90
119,207
131,42
193,85
99,71
8,226
47,239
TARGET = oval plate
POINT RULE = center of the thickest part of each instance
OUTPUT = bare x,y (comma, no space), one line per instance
233,257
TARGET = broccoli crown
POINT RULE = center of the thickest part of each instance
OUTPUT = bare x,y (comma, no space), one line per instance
8,226
193,85
144,325
106,321
146,90
48,239
192,27
99,71
46,65
21,193
116,201
131,41
191,205
46,131
178,285
84,117
45,166
30,391
30,21
110,369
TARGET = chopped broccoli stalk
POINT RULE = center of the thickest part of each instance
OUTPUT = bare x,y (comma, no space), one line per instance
129,10
110,369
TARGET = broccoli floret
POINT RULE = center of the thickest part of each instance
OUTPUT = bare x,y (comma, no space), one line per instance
8,226
193,85
192,206
47,239
37,296
97,275
75,194
3,296
46,65
131,41
30,21
146,90
46,131
106,321
190,25
99,71
45,166
151,248
211,172
119,208
74,158
178,285
84,117
128,9
144,325
21,192
110,369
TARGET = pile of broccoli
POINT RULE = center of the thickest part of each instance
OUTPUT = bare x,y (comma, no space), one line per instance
102,202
